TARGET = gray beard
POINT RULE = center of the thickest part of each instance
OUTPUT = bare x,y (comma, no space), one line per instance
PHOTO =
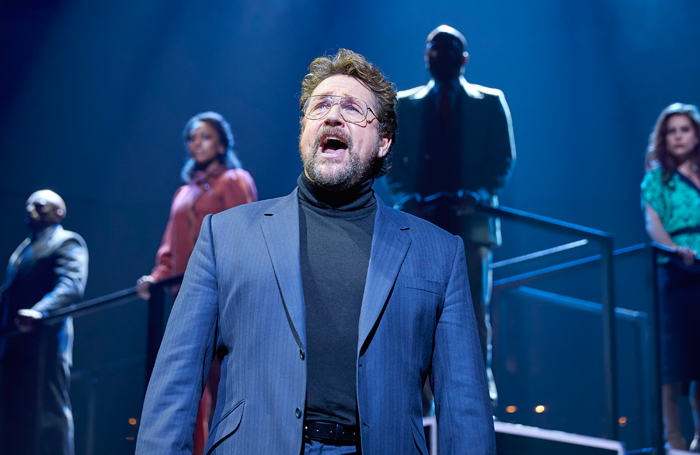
337,176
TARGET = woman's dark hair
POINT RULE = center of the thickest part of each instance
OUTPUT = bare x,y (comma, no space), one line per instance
657,152
349,63
223,129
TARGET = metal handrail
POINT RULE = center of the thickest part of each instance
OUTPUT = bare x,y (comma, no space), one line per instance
539,254
156,318
546,272
544,222
109,300
97,304
608,292
652,250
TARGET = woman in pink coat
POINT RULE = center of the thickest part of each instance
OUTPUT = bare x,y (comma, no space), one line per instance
215,182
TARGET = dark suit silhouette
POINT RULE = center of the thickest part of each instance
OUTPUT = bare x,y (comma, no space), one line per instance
44,274
469,147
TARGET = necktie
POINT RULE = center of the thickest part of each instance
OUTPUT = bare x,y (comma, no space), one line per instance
444,106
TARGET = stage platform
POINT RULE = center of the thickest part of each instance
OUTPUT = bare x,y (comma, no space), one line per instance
512,439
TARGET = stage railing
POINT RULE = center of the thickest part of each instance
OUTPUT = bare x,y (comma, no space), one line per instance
606,258
157,318
648,253
156,322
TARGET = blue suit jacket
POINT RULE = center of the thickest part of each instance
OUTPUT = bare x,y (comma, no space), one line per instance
242,299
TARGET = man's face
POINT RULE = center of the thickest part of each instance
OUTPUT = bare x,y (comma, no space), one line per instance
445,57
44,208
337,154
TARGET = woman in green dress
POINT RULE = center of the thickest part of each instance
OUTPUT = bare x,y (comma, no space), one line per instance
671,197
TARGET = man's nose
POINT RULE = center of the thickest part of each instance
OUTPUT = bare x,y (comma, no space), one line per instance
334,117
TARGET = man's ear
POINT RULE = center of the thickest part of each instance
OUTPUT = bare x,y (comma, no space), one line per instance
384,146
465,58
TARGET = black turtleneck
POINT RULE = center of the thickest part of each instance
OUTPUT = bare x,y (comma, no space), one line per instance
335,230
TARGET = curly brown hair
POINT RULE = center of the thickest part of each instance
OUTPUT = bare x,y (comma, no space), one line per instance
349,63
657,152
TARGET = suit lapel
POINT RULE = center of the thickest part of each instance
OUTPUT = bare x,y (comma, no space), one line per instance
14,263
280,228
389,246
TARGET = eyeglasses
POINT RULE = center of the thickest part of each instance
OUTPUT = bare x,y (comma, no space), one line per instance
353,110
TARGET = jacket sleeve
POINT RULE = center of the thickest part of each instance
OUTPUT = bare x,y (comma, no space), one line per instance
182,366
240,189
458,379
71,276
499,158
164,257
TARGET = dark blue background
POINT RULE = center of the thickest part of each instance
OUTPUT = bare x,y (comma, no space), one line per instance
94,94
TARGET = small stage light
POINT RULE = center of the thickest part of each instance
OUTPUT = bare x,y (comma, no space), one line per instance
511,409
540,409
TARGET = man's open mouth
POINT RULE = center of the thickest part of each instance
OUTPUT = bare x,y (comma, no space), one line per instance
334,143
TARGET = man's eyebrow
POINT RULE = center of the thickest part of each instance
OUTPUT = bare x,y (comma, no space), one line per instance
330,93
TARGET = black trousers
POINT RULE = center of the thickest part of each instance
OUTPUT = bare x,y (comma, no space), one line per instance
35,411
480,284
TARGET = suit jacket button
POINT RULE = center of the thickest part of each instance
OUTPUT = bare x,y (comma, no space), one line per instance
301,354
298,413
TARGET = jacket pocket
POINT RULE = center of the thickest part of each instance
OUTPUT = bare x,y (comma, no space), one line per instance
411,282
228,424
419,437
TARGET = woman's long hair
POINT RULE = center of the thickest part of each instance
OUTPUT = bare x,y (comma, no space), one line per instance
657,152
223,129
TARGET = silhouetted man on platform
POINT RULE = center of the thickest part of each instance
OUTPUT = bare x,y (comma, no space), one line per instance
326,308
46,272
455,149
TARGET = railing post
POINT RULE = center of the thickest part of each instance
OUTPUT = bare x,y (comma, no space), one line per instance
156,325
609,341
656,425
40,332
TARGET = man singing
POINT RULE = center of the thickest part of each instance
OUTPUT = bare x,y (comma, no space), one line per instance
326,308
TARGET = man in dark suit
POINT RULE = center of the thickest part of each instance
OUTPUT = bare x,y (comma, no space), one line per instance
455,150
326,308
46,272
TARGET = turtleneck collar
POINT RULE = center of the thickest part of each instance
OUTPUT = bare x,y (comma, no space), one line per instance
204,175
353,199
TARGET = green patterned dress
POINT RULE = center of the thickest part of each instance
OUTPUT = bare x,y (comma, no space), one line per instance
678,205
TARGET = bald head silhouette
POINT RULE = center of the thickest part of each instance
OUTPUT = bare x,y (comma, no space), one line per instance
44,208
445,53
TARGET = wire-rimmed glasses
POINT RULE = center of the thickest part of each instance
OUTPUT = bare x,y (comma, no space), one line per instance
353,110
